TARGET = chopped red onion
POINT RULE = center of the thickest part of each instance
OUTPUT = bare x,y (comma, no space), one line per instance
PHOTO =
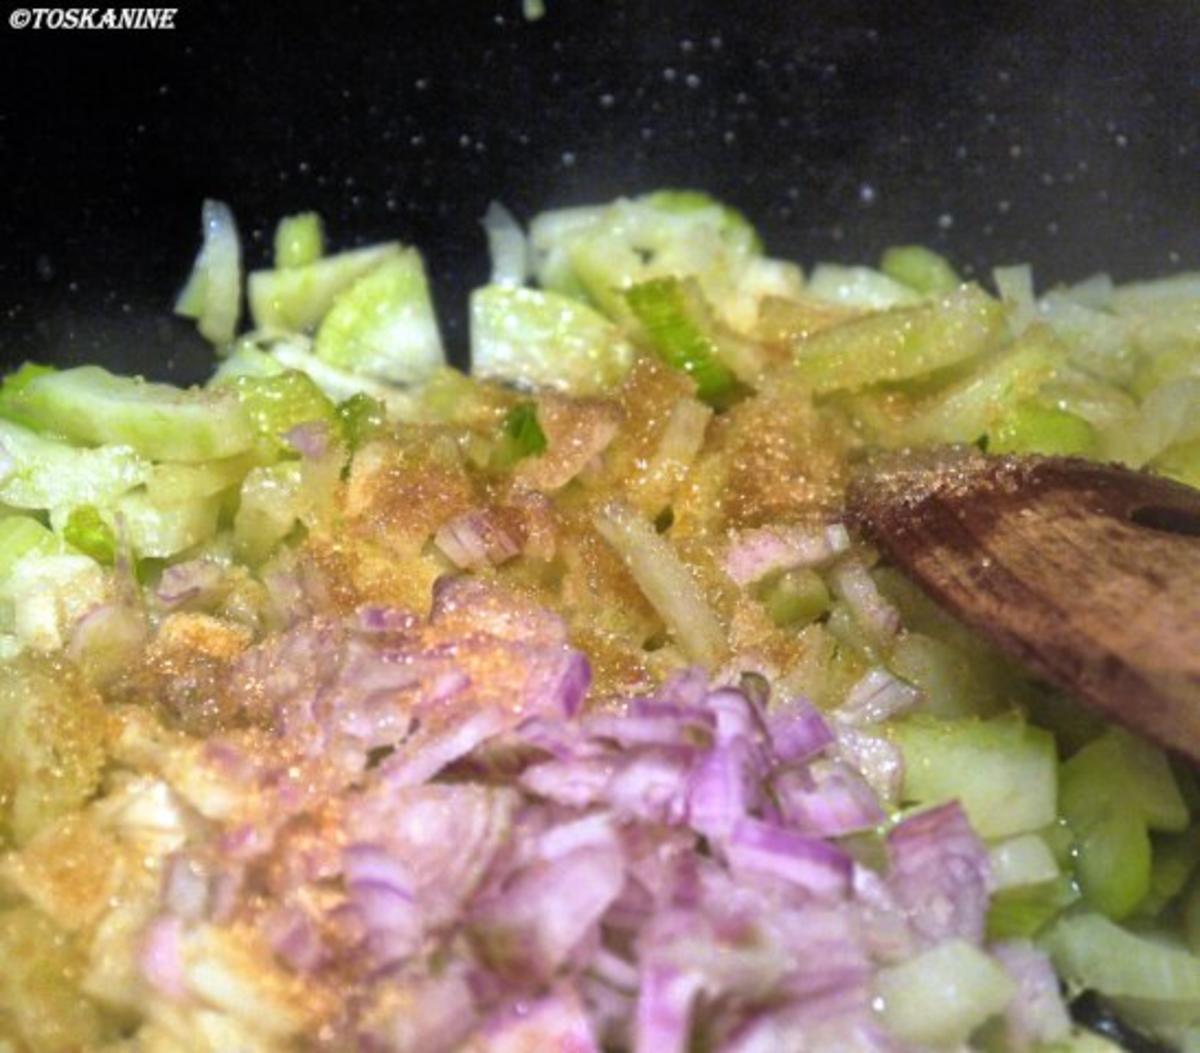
940,874
877,696
725,788
835,802
311,440
532,926
477,539
767,550
555,1024
160,957
194,583
878,759
799,731
812,865
664,1010
185,888
874,614
1037,1016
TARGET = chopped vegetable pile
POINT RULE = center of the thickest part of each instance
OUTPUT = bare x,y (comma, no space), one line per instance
351,702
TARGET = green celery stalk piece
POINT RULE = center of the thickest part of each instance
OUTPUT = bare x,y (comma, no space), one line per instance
1003,771
796,598
46,474
1112,791
971,406
1092,952
22,536
919,268
383,326
1029,427
1174,861
900,344
680,331
1181,461
297,298
276,404
362,418
299,240
942,672
1021,913
90,405
532,336
86,531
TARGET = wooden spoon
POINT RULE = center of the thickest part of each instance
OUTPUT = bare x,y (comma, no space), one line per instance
1087,573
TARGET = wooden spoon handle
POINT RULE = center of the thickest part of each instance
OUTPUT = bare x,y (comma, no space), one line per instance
1087,573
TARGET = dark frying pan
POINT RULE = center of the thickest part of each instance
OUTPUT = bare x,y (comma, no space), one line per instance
1063,133
1066,134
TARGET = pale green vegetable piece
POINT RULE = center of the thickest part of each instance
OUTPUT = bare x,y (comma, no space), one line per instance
384,326
541,338
213,293
21,536
602,252
1003,771
46,474
247,359
88,404
939,997
859,287
901,344
299,240
970,407
1093,952
270,506
160,530
297,298
1021,861
919,268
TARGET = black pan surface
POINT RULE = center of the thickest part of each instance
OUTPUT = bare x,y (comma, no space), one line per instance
1064,133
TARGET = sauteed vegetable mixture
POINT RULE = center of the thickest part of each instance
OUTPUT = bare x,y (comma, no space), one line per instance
353,702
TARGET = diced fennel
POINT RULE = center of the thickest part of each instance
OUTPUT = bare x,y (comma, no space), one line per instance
270,507
299,240
276,404
1003,771
21,536
1015,286
1094,953
46,474
246,359
340,384
297,298
48,593
530,336
682,333
169,483
383,326
160,530
89,404
213,293
939,997
900,344
859,287
1021,861
507,246
672,233
1173,862
941,672
919,268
